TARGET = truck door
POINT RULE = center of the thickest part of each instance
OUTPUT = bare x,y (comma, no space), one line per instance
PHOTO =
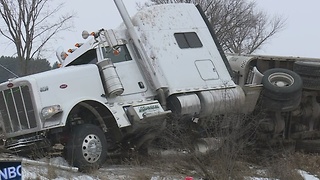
127,69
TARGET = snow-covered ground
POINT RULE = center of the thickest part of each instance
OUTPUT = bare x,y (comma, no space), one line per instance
307,176
57,168
114,172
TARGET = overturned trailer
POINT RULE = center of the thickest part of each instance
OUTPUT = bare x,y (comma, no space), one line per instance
289,91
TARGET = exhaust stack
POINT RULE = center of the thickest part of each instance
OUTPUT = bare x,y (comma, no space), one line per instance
143,62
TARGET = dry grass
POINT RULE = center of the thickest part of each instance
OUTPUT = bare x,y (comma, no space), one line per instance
308,162
51,172
217,166
283,168
236,159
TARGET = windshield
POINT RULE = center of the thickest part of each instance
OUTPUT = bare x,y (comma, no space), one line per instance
89,57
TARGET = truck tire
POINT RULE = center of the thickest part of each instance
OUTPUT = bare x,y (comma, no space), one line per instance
309,72
281,105
308,146
86,148
311,83
281,84
307,68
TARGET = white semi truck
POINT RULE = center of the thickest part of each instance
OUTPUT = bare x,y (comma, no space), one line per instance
116,90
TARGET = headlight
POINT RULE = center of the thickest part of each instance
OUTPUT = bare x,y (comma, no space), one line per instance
49,111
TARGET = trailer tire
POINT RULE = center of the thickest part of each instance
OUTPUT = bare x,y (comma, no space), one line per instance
281,105
308,146
309,72
281,84
311,83
86,148
307,68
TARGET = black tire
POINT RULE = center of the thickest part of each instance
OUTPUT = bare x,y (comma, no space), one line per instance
281,84
311,83
86,148
281,105
308,146
307,68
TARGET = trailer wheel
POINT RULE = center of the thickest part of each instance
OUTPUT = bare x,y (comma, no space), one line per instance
307,68
308,146
87,147
281,84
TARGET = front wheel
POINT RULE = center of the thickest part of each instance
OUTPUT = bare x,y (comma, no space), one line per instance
87,147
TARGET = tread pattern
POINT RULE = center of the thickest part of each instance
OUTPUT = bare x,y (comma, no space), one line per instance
307,68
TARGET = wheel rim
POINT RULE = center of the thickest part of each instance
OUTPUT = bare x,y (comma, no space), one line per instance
91,148
281,79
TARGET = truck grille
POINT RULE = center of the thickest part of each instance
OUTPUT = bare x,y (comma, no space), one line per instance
16,109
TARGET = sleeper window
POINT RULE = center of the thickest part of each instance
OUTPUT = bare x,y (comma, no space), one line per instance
188,40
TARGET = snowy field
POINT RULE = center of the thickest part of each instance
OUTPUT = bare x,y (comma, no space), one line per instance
58,169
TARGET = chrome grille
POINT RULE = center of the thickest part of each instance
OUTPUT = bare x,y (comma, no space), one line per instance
16,110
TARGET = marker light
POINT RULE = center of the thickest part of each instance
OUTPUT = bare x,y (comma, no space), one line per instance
71,50
116,52
78,45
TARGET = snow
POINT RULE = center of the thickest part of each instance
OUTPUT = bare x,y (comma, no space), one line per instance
57,168
304,174
307,176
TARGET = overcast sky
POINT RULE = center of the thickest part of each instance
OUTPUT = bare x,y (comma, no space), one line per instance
300,37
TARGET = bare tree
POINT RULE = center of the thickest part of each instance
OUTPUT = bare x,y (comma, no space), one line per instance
240,26
30,24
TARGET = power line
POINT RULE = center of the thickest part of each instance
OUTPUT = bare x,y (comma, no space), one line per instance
8,70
